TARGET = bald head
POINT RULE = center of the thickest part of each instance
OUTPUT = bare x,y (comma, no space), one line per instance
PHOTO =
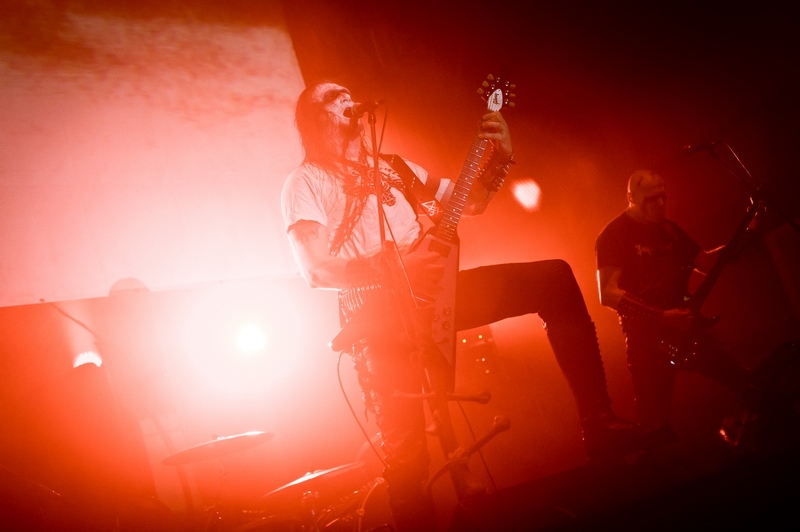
643,178
647,196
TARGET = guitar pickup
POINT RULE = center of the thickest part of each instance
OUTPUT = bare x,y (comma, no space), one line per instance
439,247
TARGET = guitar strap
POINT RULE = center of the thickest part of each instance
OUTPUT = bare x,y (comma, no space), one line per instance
420,196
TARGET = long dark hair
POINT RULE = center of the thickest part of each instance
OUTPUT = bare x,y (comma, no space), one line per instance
317,137
315,128
309,117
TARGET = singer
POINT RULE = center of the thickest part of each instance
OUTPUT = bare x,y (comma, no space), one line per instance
330,209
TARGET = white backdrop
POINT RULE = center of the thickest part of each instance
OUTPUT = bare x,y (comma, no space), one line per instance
142,150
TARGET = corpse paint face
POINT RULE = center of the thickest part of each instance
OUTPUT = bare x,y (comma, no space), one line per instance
334,99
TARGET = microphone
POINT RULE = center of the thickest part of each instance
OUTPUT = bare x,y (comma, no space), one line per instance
360,109
691,148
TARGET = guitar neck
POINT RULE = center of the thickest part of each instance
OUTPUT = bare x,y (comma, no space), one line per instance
701,294
446,229
496,95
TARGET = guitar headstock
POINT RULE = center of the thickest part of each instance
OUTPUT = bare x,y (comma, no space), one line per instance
497,93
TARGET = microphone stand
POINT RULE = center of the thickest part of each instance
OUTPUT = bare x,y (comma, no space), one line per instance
388,247
411,314
439,375
756,191
360,324
377,178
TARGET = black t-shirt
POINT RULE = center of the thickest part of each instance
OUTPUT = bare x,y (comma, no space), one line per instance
656,259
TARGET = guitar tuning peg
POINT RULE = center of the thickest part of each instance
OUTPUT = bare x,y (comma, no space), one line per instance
480,91
512,104
490,77
485,83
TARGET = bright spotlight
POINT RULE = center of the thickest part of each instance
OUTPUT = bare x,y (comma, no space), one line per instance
251,339
87,357
528,194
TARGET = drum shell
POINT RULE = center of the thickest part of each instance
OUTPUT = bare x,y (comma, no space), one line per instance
365,510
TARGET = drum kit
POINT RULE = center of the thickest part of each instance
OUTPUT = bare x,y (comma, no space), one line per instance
339,499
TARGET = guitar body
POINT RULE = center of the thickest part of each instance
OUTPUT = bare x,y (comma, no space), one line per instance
684,349
442,305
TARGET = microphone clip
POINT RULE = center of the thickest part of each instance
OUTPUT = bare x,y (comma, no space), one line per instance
360,109
689,149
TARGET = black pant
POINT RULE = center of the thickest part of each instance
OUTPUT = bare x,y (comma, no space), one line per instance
484,295
653,376
547,288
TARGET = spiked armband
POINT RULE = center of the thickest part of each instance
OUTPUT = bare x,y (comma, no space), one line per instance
496,171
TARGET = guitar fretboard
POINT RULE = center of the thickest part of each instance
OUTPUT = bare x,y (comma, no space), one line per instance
446,230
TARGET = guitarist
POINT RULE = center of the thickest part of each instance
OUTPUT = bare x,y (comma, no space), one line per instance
329,205
644,263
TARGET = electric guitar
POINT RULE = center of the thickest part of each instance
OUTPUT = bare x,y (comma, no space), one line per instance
683,348
442,238
437,313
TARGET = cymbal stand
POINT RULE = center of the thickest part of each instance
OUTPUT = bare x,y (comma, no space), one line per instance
441,384
461,456
215,518
308,503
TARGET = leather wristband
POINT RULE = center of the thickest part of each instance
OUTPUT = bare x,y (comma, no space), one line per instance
496,171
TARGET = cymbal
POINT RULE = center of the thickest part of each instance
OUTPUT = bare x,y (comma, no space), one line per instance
220,446
315,475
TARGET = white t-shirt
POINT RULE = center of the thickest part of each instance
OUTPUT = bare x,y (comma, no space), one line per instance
310,193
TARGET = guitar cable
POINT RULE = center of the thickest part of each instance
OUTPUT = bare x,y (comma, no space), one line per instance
375,450
353,412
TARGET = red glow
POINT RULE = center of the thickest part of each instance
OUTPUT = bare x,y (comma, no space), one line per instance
149,154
